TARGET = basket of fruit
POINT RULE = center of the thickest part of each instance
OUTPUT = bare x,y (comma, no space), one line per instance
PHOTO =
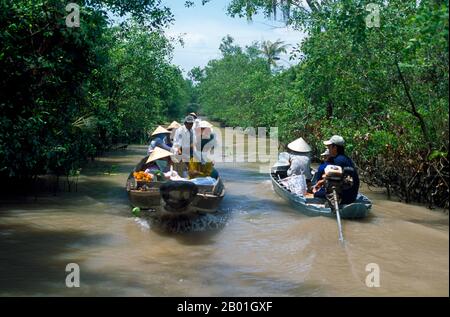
143,178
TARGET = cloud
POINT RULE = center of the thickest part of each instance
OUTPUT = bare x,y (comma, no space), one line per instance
202,31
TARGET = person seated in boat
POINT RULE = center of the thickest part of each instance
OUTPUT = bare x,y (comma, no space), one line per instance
300,159
325,158
201,168
159,138
336,148
173,129
159,162
205,137
317,182
201,165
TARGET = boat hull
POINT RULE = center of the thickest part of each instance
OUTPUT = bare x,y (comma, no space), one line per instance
207,200
312,207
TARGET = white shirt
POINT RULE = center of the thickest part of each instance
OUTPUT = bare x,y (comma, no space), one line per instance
196,123
183,140
300,164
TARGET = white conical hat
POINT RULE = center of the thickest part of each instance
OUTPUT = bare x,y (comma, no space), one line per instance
158,153
299,145
173,125
160,130
205,124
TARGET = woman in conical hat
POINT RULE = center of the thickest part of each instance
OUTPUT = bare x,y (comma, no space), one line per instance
300,159
205,136
299,146
160,130
159,161
158,154
159,138
173,126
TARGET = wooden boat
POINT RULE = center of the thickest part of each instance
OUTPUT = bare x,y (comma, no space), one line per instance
174,197
317,207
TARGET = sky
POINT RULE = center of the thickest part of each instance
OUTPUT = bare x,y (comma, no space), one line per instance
203,27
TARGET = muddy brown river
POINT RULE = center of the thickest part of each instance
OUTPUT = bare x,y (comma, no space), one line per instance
257,245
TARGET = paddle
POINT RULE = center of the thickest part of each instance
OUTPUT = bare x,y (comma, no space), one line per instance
338,216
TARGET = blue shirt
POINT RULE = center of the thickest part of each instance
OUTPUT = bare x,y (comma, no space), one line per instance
158,141
348,196
320,171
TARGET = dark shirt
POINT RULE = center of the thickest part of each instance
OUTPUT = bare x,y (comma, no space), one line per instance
205,141
320,171
348,196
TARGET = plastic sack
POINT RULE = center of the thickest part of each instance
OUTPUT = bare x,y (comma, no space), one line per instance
296,184
283,157
204,181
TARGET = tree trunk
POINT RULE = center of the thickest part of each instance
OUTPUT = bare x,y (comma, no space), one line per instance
414,111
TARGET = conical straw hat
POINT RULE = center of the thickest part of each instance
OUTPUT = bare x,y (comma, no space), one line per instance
158,153
205,124
299,145
173,125
160,130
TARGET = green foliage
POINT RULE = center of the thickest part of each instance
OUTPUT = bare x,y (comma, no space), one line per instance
68,93
384,89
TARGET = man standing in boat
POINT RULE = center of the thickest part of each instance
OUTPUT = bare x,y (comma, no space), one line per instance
183,143
336,150
196,120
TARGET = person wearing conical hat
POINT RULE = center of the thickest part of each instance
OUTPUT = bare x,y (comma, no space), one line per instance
206,140
173,127
201,165
159,138
158,154
159,162
300,159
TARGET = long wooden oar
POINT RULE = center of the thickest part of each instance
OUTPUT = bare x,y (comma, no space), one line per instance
338,216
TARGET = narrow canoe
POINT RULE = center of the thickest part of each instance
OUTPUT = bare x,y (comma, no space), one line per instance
316,207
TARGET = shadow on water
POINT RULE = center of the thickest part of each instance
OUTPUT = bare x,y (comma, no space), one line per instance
39,257
102,191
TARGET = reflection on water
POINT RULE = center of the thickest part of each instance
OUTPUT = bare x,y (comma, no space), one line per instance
255,246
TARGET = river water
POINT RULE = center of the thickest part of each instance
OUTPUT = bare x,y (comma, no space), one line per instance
261,246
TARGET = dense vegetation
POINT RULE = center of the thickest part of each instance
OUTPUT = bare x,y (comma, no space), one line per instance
68,93
385,89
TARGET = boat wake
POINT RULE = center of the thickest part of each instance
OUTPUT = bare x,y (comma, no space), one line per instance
186,224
